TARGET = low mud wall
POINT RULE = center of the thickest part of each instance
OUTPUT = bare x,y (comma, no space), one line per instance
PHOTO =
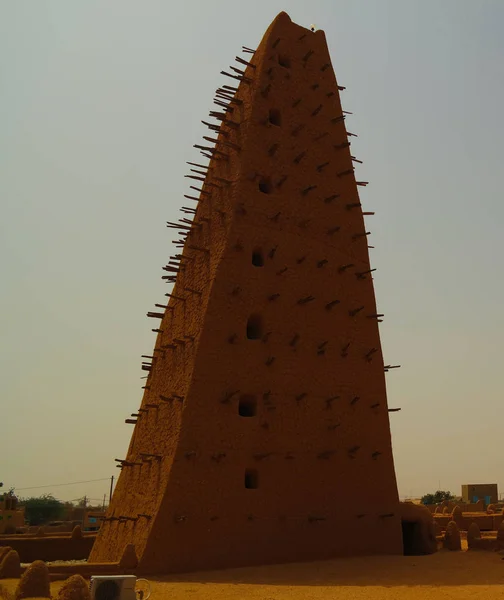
483,521
464,506
50,548
61,572
31,536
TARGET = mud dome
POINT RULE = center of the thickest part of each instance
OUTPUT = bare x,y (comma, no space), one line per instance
418,530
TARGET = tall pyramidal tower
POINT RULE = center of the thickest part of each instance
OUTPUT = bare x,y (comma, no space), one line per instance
263,435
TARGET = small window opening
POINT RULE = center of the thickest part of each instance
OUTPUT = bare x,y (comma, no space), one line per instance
275,118
265,185
251,479
257,258
284,61
254,327
247,406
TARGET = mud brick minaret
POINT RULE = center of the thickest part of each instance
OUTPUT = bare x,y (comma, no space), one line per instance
263,434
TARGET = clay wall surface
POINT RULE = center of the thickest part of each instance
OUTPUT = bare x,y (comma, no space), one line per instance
312,377
49,548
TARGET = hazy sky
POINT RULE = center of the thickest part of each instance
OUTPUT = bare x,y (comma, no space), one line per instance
100,104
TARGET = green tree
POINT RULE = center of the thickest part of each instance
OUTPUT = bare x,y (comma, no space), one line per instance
437,497
42,509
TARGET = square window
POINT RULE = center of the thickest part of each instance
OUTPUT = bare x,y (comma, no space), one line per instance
251,479
247,406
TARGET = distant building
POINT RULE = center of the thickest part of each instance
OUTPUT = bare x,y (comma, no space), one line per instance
472,492
93,520
11,517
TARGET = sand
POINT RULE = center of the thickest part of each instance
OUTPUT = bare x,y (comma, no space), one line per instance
441,576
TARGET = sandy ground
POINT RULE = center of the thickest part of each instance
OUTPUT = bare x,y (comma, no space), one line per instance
445,575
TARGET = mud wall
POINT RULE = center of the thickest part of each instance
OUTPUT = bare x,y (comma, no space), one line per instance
50,548
485,522
464,507
265,400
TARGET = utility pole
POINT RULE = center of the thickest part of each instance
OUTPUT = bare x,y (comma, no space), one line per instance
111,487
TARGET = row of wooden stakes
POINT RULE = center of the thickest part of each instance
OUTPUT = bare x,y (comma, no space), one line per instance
312,518
218,457
124,519
321,347
225,98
